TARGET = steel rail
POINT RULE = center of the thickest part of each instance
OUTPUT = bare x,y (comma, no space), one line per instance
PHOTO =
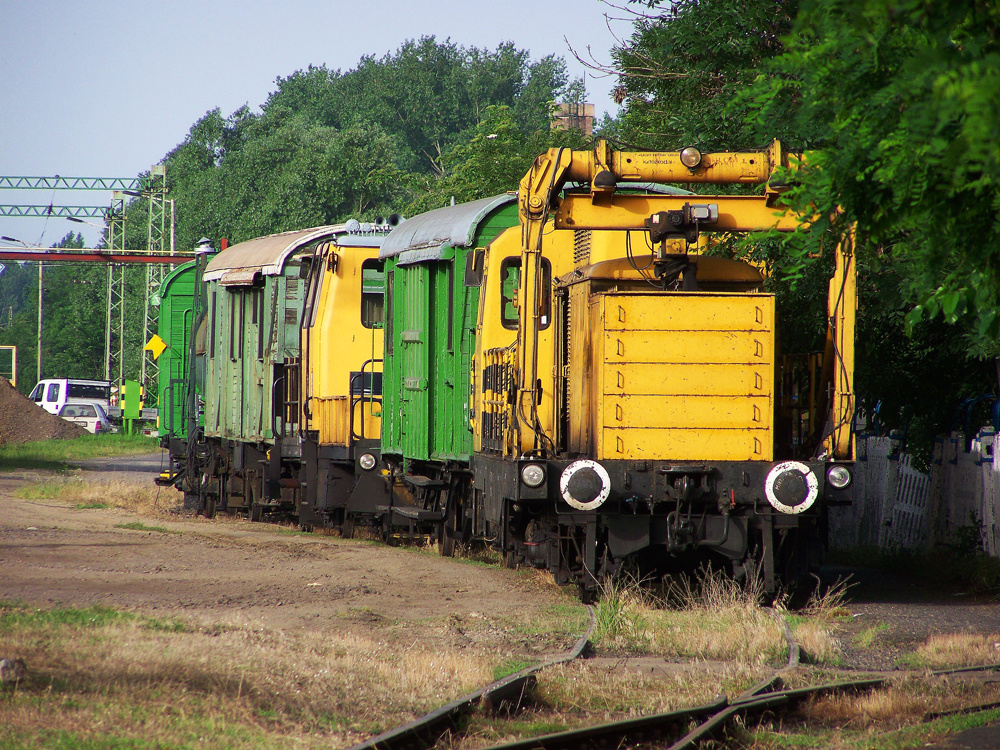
425,731
714,717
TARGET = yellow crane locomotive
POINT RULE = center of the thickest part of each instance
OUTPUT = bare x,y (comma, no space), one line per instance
630,404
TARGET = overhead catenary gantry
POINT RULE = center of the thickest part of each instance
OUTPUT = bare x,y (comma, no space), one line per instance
159,239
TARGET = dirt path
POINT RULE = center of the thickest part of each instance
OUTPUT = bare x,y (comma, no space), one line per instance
259,574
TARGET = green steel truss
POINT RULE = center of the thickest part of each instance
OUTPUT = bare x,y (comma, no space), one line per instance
76,212
114,336
72,183
159,240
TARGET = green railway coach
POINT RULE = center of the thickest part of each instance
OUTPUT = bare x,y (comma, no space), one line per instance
176,319
430,315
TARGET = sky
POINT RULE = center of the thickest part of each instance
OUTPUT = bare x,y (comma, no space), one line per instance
94,88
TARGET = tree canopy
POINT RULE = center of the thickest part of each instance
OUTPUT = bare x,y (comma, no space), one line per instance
390,135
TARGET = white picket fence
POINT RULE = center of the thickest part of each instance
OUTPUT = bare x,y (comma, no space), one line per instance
897,506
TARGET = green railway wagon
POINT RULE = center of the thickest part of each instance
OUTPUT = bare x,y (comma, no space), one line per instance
255,294
176,319
430,328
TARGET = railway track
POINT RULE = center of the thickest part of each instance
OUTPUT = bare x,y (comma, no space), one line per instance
684,729
508,692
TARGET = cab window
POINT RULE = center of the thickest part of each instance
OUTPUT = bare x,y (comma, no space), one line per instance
54,390
372,293
510,280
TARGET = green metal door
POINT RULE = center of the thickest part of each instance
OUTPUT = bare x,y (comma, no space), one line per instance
414,344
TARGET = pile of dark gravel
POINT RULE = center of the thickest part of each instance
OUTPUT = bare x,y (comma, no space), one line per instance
24,421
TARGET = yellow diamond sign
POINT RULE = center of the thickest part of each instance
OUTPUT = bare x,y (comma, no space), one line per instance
156,345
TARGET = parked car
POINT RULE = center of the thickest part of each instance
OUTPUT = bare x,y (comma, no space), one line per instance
90,415
53,393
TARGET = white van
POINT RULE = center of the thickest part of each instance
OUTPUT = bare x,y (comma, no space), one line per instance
54,393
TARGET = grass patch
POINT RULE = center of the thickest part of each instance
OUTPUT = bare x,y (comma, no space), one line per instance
99,677
140,526
711,617
102,493
603,694
91,506
511,666
15,616
55,454
893,735
960,650
868,637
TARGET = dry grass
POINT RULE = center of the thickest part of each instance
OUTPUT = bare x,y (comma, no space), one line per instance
103,493
816,641
712,618
960,650
95,671
814,625
906,701
606,692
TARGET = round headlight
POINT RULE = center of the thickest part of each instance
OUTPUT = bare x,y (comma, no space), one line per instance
367,461
839,476
533,475
690,157
791,487
585,485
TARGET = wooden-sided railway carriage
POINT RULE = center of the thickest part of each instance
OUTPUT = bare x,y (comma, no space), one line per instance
264,406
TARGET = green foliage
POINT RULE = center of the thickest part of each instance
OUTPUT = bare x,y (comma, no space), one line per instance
72,293
332,145
900,99
684,66
489,160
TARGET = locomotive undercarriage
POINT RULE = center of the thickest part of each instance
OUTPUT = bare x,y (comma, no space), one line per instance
657,518
218,475
338,489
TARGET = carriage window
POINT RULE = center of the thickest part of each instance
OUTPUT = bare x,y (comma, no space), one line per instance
259,293
232,324
388,313
372,293
212,314
451,306
510,280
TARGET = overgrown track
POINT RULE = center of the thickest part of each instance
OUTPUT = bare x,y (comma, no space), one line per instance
427,730
685,729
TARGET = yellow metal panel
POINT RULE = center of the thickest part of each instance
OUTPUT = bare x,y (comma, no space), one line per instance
337,345
693,347
696,379
331,417
691,311
737,213
686,445
688,412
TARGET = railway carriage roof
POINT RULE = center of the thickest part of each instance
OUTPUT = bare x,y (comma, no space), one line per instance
429,235
267,255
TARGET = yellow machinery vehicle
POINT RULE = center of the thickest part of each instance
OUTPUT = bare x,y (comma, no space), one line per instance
630,404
